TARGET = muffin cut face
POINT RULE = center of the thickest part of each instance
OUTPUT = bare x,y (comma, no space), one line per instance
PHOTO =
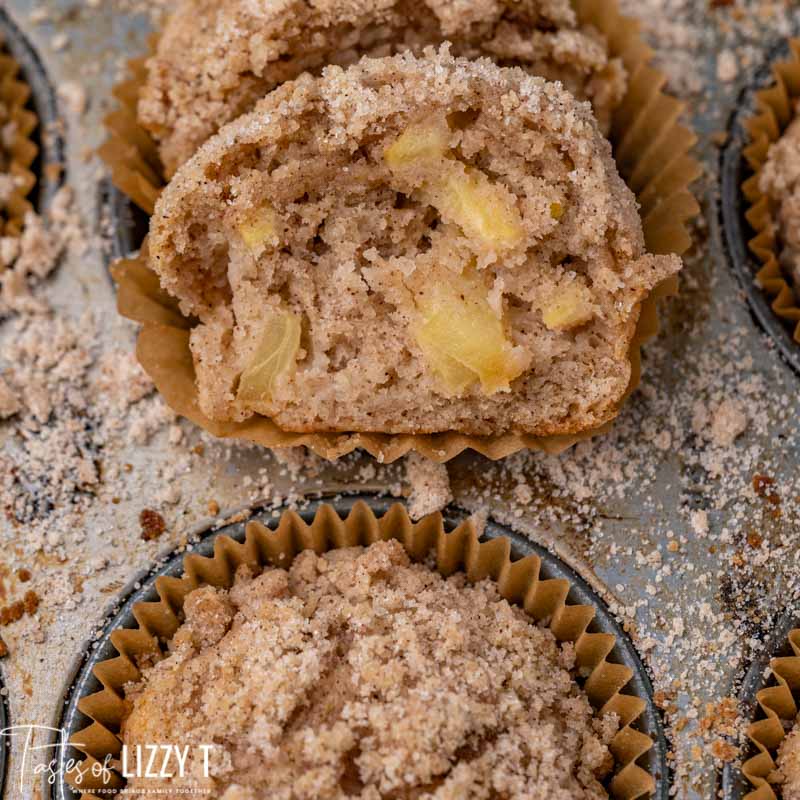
409,246
215,59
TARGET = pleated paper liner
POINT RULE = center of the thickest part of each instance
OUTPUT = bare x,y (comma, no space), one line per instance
21,151
460,550
652,150
779,702
776,109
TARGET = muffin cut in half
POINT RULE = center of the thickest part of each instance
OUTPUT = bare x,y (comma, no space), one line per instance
409,246
215,59
359,674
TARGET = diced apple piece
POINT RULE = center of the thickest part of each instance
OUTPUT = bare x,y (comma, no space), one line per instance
556,210
274,358
459,327
571,307
483,210
425,141
454,376
260,228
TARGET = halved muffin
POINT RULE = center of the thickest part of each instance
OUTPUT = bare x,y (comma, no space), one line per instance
409,246
215,59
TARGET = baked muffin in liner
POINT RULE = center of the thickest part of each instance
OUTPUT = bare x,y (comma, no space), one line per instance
518,581
779,702
652,150
776,109
19,152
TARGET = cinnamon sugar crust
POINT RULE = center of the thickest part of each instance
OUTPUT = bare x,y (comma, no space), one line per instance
292,221
359,674
215,60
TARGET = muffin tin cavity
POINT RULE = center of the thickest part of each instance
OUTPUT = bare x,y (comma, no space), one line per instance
50,158
734,783
733,206
142,589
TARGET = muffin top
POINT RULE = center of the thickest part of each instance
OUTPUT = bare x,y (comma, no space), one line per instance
409,245
780,181
216,59
359,674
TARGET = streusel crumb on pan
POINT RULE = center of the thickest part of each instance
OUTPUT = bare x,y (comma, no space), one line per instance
359,674
215,59
409,246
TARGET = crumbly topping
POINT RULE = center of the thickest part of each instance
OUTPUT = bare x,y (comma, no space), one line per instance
359,674
430,486
215,60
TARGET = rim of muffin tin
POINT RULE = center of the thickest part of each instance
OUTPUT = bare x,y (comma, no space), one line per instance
129,224
44,104
5,740
736,230
142,588
734,783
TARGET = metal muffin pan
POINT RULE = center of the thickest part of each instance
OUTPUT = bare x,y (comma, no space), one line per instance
737,232
143,589
43,102
4,739
734,783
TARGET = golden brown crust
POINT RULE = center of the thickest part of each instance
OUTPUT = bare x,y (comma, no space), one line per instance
215,60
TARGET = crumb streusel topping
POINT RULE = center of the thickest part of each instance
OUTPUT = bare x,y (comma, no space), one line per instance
360,674
215,59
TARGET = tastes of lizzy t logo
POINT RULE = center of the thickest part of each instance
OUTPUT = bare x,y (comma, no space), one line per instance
50,759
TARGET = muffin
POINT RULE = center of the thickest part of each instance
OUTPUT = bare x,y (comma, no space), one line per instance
215,60
409,246
780,182
359,674
789,765
17,150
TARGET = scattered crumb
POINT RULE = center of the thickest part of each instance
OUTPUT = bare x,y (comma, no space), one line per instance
430,486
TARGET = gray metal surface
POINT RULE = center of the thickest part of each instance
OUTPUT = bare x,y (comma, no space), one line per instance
85,683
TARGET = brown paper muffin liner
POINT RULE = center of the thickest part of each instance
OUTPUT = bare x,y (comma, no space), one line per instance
776,109
20,150
460,550
779,704
652,150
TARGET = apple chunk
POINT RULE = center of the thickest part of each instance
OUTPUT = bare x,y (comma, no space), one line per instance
463,338
274,358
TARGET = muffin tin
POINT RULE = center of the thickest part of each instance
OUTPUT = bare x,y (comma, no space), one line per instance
47,136
84,683
737,232
624,520
734,784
